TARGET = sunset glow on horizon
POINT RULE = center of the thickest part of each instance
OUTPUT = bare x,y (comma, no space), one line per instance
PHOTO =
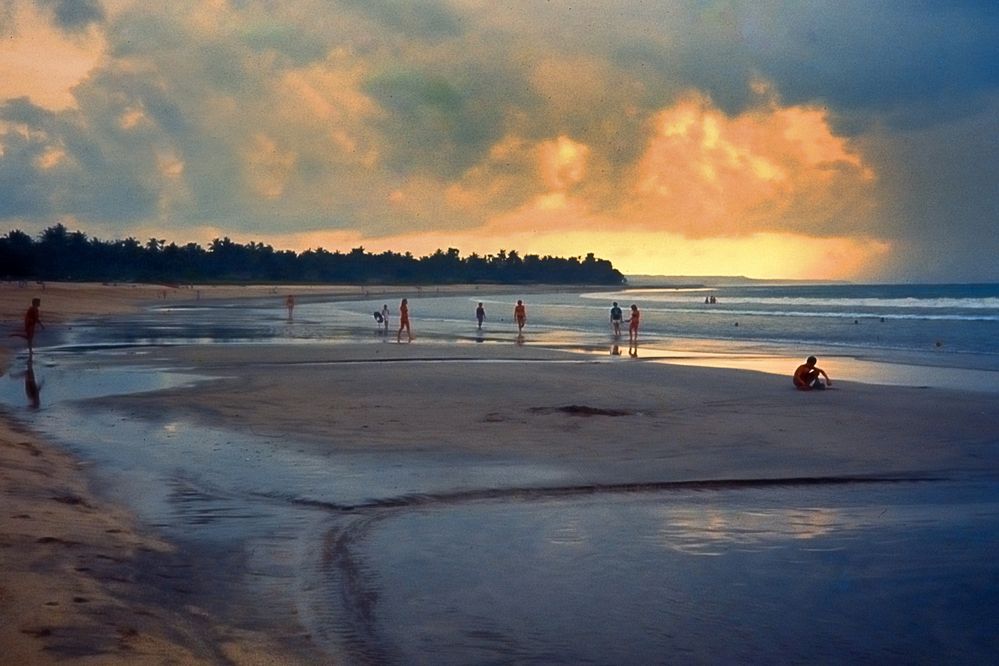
720,138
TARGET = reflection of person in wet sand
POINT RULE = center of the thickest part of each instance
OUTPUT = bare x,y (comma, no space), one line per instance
520,315
404,321
289,303
32,319
633,324
480,314
806,376
615,319
32,388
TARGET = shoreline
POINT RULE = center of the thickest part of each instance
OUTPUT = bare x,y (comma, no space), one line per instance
682,424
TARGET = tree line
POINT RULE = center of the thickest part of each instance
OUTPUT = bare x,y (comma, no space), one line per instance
60,254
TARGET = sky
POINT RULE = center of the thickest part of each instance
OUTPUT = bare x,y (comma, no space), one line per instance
846,139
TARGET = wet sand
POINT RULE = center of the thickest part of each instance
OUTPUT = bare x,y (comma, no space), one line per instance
85,580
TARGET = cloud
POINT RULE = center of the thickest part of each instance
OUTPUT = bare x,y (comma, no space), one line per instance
74,15
722,125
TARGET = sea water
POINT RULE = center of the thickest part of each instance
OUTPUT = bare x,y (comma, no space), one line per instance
947,321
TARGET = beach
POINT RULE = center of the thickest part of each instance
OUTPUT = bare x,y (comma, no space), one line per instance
262,501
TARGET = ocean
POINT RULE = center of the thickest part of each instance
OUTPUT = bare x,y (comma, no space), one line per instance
944,335
940,335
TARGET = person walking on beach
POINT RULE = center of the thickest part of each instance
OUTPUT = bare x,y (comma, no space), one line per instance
404,321
480,314
806,376
633,323
615,319
32,319
520,315
289,303
385,317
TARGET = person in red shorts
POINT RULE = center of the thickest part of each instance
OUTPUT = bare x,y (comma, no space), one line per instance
32,318
806,377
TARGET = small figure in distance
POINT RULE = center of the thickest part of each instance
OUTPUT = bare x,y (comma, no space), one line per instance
289,303
32,318
520,314
480,314
633,323
385,317
404,321
615,319
806,377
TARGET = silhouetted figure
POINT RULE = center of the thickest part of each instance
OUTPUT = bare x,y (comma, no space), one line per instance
404,321
616,316
633,324
480,314
520,315
32,319
806,376
385,317
289,303
32,388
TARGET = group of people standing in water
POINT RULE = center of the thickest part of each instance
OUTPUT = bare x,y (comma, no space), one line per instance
519,317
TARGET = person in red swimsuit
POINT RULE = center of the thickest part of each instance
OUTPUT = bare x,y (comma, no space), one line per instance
633,323
806,376
404,321
520,314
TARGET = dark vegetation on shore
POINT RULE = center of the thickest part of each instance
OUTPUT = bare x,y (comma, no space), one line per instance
60,254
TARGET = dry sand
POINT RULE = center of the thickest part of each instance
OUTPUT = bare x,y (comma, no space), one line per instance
70,561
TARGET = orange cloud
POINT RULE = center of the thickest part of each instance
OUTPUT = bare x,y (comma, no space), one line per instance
42,63
704,173
756,194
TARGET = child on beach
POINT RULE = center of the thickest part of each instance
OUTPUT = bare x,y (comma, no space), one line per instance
32,318
385,317
480,314
289,303
806,376
520,314
404,321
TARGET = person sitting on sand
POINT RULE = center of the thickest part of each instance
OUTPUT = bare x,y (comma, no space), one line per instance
615,318
480,314
806,377
520,314
404,321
